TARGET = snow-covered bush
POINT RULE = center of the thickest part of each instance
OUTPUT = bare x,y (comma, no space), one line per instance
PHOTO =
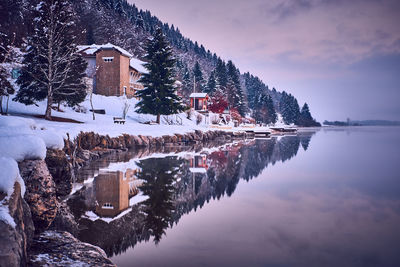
199,119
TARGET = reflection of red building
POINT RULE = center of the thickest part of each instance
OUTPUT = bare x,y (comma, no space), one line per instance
199,101
198,163
113,191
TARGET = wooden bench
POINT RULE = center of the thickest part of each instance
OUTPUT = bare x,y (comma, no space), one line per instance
119,120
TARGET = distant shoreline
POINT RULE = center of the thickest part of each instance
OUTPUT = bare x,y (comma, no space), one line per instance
362,123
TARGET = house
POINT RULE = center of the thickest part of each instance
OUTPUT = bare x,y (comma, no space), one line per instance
199,101
198,164
115,72
113,191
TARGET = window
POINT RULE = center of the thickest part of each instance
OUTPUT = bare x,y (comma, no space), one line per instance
124,90
107,206
108,59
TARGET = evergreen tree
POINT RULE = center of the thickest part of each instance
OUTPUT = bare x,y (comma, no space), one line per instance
221,76
289,108
272,116
305,119
158,96
234,89
187,82
198,75
211,84
52,68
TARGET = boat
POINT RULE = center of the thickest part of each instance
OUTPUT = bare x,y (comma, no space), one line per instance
284,129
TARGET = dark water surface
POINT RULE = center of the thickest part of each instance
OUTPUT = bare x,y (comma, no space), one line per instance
326,198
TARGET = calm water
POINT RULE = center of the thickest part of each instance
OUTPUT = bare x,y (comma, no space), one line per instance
326,198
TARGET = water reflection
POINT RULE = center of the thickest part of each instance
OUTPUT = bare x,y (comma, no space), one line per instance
169,187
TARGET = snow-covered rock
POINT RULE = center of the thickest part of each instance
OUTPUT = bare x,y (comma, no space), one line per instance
57,248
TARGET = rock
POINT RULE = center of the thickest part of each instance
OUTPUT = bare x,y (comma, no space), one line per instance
167,139
152,140
64,220
40,192
137,141
61,171
180,138
129,141
159,141
199,135
15,241
58,248
145,140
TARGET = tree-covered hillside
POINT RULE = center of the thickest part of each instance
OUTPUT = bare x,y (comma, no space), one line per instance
123,24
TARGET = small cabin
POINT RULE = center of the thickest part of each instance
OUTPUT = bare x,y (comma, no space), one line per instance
199,101
198,164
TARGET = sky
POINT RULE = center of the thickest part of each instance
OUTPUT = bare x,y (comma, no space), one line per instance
341,57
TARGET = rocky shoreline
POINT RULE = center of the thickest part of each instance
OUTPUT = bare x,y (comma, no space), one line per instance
43,222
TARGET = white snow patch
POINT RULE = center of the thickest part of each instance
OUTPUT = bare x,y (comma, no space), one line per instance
9,174
6,217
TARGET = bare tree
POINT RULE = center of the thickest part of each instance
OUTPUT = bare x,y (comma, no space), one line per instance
53,68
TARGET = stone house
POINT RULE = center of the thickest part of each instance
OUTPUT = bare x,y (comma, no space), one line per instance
113,70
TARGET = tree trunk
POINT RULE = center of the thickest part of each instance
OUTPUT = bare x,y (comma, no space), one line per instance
158,118
91,104
1,104
58,106
8,98
47,115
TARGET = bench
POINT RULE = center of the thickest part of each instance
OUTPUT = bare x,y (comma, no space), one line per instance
119,120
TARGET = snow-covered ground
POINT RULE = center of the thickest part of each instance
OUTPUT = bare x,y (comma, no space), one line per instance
104,124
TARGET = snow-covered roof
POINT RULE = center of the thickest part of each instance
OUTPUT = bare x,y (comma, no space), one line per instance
138,65
92,49
198,95
198,170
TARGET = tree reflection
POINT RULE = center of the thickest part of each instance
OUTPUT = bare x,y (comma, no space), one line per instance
158,175
178,185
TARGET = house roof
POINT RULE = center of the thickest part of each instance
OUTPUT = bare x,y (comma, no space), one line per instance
138,65
198,95
92,49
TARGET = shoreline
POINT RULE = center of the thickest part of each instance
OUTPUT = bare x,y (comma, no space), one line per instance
55,174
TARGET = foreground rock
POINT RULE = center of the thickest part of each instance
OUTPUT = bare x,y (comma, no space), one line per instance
14,241
40,192
61,170
56,248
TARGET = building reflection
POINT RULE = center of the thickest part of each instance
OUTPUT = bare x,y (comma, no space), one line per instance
113,191
198,163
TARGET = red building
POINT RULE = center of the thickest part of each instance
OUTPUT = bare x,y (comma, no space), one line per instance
199,101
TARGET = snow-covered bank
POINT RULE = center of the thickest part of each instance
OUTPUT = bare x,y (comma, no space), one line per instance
103,123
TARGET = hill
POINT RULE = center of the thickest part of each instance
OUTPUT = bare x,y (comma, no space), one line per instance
123,24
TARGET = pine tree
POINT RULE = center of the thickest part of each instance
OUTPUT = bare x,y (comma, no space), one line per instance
158,96
187,82
234,89
198,76
52,68
305,119
221,76
211,84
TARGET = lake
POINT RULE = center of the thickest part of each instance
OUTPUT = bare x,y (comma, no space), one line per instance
319,198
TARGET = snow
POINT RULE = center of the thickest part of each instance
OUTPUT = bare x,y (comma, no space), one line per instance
92,49
9,174
138,65
23,138
133,201
6,217
103,124
199,95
